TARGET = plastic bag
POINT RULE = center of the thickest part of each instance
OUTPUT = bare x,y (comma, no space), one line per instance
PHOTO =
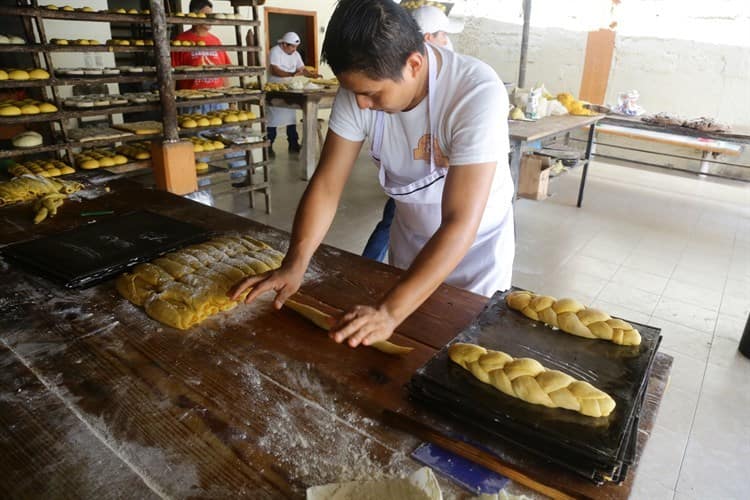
627,104
532,103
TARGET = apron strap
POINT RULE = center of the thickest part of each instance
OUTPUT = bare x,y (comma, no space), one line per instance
377,140
436,174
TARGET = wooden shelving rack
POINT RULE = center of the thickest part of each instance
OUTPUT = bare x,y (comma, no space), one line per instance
249,71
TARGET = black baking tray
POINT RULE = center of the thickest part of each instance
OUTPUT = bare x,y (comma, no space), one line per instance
496,442
620,371
442,400
91,253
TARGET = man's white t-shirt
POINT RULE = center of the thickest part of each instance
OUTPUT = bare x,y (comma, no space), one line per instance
285,62
472,107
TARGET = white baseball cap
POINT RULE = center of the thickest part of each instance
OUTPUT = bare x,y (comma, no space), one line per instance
431,20
290,37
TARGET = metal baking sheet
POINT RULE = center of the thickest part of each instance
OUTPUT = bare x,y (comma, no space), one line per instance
620,371
496,442
91,253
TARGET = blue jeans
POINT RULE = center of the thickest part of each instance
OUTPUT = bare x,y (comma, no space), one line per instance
291,135
377,245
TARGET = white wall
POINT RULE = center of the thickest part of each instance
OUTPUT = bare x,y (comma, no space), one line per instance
688,58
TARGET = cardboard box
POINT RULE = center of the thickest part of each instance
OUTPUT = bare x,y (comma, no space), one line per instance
534,177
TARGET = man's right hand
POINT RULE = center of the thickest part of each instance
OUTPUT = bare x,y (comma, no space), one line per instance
285,281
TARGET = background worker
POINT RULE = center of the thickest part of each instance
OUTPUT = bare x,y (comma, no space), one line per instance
441,146
284,62
434,26
206,56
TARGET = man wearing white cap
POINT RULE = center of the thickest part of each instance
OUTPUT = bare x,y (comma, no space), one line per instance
285,62
435,27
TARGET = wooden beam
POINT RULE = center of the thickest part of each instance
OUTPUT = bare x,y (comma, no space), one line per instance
600,48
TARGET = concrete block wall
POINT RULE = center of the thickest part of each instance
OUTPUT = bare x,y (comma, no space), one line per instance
686,59
555,56
685,77
682,60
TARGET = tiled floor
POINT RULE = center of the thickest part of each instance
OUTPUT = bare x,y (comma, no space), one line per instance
669,251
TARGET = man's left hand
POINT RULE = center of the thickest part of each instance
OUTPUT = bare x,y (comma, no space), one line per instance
364,325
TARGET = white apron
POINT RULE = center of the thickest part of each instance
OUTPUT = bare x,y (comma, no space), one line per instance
488,265
281,117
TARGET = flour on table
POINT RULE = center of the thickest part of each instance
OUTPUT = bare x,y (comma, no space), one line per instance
295,440
421,485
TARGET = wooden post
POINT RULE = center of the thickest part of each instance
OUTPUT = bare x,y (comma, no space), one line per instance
163,70
172,160
600,48
524,43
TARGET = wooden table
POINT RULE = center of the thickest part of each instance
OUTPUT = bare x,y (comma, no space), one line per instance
524,132
99,401
739,134
309,101
730,143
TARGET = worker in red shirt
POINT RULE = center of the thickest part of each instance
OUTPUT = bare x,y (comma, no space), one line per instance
208,56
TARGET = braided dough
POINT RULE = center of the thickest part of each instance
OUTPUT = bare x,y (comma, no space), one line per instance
31,187
572,317
528,380
185,287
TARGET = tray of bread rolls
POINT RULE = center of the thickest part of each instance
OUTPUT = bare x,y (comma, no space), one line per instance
518,374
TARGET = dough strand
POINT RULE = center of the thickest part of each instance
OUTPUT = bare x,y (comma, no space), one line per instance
326,322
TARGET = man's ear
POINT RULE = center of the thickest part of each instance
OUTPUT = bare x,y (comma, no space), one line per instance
414,63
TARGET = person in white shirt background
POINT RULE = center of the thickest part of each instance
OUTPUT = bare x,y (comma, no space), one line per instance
435,27
431,119
284,62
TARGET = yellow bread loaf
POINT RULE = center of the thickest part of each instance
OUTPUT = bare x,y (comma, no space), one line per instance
528,380
572,317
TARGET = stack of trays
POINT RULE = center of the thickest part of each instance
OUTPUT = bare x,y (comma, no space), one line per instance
600,449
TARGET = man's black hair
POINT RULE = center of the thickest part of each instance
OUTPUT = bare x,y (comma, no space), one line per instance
375,37
198,5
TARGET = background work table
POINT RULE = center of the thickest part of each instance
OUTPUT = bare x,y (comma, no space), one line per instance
309,101
99,401
523,132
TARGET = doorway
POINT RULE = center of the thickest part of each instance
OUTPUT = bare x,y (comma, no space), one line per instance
303,22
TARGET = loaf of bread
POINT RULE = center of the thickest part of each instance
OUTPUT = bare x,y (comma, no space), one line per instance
185,287
572,317
30,187
528,380
47,205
